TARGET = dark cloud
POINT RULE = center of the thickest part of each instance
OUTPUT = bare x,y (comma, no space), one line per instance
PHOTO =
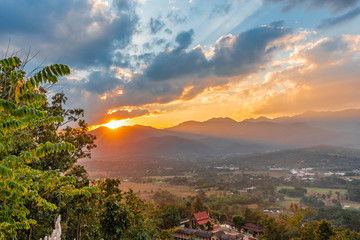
173,71
100,82
178,62
175,64
146,57
156,25
333,5
124,114
340,19
71,31
121,60
184,39
247,52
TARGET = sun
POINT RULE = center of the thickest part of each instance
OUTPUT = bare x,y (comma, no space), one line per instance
115,124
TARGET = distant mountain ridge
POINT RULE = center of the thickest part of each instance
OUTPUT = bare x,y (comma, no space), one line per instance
310,128
331,116
319,157
296,134
227,136
142,140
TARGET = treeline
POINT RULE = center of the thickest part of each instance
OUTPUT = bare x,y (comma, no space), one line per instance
321,158
352,187
296,192
301,224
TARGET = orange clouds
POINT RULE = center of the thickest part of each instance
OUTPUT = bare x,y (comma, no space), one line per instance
326,77
318,75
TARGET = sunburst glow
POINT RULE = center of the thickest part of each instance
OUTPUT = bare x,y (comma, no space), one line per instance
115,124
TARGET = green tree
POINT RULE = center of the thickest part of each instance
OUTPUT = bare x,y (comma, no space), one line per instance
168,216
307,232
324,230
251,216
64,162
337,195
209,226
81,215
124,216
20,111
238,221
115,219
198,206
299,215
222,218
345,234
272,230
55,132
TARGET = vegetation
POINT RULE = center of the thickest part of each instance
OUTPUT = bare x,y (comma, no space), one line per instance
24,187
238,221
296,192
39,179
312,201
38,176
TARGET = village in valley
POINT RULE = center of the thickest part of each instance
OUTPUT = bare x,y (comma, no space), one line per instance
201,226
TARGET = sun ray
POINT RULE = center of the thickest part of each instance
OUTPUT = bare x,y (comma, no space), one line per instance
115,124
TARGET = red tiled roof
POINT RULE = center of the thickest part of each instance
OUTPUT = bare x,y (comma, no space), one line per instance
202,218
253,227
201,222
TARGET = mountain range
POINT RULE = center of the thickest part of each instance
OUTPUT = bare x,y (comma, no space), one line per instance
227,136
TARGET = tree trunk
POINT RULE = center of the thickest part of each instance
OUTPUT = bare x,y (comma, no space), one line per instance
30,232
78,230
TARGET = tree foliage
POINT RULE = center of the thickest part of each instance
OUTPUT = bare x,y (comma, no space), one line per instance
38,175
20,112
238,221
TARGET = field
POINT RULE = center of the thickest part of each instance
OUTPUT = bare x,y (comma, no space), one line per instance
350,204
283,187
314,191
317,191
146,189
286,204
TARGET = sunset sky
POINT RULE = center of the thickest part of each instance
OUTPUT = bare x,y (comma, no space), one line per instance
162,62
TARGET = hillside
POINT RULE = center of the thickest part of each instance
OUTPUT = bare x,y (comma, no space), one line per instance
292,134
145,141
319,157
251,144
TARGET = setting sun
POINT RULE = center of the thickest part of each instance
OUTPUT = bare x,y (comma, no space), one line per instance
115,124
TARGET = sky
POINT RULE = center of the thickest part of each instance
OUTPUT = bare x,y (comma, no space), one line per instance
163,62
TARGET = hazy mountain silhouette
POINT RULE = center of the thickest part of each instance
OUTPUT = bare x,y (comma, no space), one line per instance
142,140
345,124
296,134
166,145
226,136
320,157
348,115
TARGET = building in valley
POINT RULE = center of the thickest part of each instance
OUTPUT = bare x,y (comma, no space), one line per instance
199,220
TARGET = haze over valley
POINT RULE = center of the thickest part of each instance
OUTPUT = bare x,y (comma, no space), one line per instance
220,138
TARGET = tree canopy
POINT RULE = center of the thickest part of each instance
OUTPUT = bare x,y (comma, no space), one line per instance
21,111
